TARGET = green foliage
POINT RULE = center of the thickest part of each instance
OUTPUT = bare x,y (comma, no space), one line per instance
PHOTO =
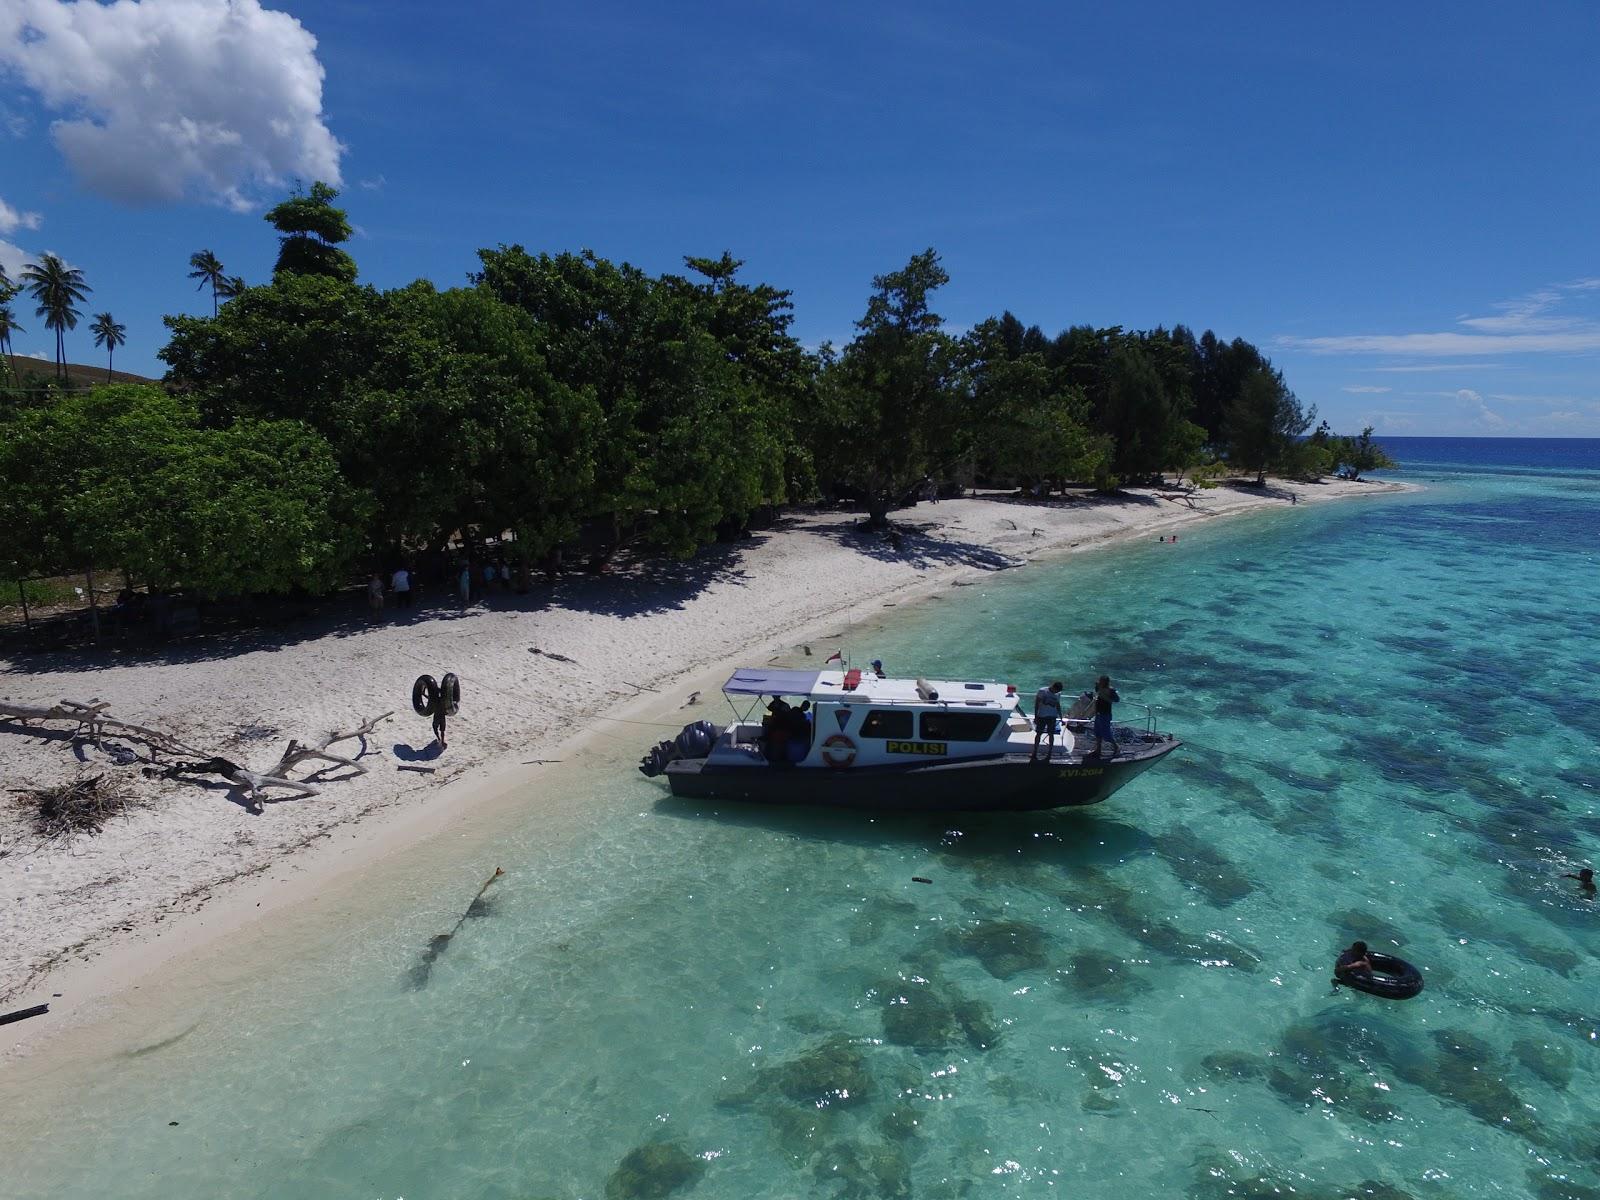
1359,455
57,289
438,405
1025,423
207,268
1263,423
311,229
126,475
888,407
108,333
696,386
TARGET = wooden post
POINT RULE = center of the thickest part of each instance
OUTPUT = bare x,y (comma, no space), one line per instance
94,611
22,594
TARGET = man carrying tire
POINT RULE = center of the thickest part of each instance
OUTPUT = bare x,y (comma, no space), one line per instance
437,700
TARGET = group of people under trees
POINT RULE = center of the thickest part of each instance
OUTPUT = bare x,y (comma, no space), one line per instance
471,580
1047,717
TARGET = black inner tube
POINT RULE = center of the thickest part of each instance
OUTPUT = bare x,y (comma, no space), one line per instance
1391,978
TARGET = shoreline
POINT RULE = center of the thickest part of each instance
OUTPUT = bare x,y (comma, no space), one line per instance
95,965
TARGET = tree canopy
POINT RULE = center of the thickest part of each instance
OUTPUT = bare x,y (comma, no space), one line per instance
312,229
583,403
128,475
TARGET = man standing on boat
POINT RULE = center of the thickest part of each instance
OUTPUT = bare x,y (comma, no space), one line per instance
1104,697
1046,716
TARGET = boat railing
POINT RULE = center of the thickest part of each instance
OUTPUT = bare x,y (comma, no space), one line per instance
1149,716
1146,725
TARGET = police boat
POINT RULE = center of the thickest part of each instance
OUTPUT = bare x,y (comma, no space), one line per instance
855,739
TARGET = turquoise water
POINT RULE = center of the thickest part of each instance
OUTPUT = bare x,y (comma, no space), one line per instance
1387,709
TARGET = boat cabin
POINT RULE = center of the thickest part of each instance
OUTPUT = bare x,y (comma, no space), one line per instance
854,718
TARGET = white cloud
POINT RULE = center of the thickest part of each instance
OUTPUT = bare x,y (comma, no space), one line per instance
13,259
375,184
1444,366
1450,343
1366,389
1482,415
168,98
11,220
1525,325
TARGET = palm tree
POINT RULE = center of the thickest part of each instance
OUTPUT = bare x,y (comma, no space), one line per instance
109,334
8,326
208,270
8,319
56,287
233,285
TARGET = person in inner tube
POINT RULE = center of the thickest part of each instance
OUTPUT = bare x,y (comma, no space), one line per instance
1355,961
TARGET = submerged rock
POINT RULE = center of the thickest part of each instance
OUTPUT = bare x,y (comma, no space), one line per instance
1221,1179
1555,1187
865,1171
977,1023
1202,866
1234,1064
915,1015
1096,975
1549,1062
1357,924
1103,896
653,1171
833,1073
1004,948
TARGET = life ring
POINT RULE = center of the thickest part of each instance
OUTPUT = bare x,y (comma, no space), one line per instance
838,751
450,694
425,695
1391,978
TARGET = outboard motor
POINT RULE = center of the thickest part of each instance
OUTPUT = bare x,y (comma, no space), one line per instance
693,741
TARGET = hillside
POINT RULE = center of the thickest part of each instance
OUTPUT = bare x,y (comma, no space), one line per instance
79,375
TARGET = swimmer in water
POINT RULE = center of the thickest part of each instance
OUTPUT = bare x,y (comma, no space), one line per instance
1585,880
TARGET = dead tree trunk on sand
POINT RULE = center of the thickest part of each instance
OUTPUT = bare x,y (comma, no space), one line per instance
92,724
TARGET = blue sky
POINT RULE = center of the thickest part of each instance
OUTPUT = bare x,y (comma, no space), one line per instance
1396,202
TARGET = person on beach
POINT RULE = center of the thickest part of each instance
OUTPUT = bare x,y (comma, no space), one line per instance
400,585
375,597
438,723
1104,697
464,585
1585,880
1046,716
489,576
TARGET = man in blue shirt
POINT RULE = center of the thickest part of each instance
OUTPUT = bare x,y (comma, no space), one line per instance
1046,716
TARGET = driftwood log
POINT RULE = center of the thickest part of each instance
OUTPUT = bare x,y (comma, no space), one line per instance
91,718
92,724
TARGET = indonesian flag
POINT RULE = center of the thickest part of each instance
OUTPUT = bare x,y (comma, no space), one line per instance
836,656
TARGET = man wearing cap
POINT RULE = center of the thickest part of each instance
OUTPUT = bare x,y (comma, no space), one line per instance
1046,715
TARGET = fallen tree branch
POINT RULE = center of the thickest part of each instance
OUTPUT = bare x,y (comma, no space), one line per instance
92,723
92,716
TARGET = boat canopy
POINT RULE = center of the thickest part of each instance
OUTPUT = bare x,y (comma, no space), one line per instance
758,681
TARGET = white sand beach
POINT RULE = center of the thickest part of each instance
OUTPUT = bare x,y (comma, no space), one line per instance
84,917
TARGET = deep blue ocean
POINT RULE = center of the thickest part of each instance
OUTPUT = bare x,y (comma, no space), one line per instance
1389,714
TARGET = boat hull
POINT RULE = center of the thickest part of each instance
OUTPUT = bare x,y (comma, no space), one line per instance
1009,783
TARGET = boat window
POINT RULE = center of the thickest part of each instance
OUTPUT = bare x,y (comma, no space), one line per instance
886,723
958,726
